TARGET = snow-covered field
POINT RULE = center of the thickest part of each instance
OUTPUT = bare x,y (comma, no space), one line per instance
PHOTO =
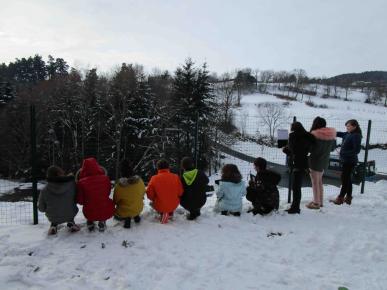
337,246
337,113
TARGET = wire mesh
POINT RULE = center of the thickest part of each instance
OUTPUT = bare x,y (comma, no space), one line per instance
255,138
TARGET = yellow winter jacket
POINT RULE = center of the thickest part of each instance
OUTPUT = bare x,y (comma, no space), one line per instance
129,197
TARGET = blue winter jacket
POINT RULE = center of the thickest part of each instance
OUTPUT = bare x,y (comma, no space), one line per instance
230,196
350,147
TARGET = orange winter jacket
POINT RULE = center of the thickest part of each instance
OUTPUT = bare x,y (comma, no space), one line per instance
164,190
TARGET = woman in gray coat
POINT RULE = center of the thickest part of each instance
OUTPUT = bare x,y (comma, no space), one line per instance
325,140
57,200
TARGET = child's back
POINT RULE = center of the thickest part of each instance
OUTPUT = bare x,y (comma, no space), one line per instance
129,197
93,192
264,193
230,196
57,199
164,190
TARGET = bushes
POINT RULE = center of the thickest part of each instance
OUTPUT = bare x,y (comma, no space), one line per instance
311,104
284,97
325,96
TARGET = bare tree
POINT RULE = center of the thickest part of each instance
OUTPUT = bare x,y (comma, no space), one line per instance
256,73
300,82
226,91
272,117
377,93
265,77
346,86
243,123
280,78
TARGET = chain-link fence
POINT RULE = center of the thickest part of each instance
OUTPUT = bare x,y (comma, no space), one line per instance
251,138
256,136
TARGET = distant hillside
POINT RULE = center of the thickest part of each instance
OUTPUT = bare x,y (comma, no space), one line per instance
368,76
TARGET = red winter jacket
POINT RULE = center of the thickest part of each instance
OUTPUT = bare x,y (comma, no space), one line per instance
164,190
93,190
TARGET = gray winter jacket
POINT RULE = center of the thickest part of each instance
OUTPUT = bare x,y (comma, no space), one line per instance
57,199
321,149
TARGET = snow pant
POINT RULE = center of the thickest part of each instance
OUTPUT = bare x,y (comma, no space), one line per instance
317,185
298,175
346,179
69,223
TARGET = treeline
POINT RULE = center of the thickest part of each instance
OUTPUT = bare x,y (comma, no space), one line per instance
128,114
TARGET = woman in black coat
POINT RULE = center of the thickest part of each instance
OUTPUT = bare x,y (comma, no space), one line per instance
350,148
195,184
298,148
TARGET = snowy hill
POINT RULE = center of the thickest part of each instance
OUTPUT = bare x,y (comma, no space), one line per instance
337,246
336,111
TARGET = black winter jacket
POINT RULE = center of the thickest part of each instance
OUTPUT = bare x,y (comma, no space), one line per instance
264,193
194,195
298,149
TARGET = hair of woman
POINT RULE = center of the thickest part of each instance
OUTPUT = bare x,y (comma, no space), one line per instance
230,172
318,123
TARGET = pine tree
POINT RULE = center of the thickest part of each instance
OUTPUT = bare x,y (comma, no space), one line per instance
192,102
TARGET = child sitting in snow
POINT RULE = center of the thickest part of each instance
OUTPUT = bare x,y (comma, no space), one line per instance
57,200
128,195
164,191
230,191
262,191
195,184
93,190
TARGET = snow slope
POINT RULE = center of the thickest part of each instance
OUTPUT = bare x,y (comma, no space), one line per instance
338,112
337,246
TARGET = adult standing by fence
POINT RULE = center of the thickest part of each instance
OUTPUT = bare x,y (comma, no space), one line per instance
350,148
300,142
319,158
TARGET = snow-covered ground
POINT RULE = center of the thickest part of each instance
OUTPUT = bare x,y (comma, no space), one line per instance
336,246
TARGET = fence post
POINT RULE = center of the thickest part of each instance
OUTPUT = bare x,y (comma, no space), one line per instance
196,139
290,174
366,156
33,165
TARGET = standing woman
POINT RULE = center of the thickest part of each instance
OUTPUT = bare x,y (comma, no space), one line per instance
300,142
325,140
350,148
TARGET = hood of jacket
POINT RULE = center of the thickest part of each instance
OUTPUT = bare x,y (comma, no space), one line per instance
60,184
325,134
90,167
126,181
190,176
268,176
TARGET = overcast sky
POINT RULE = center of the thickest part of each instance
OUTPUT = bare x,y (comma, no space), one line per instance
324,37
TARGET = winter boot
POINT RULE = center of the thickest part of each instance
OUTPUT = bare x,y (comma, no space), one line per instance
73,227
90,226
137,219
338,200
101,226
127,223
348,199
293,210
224,212
236,213
193,215
52,230
164,218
